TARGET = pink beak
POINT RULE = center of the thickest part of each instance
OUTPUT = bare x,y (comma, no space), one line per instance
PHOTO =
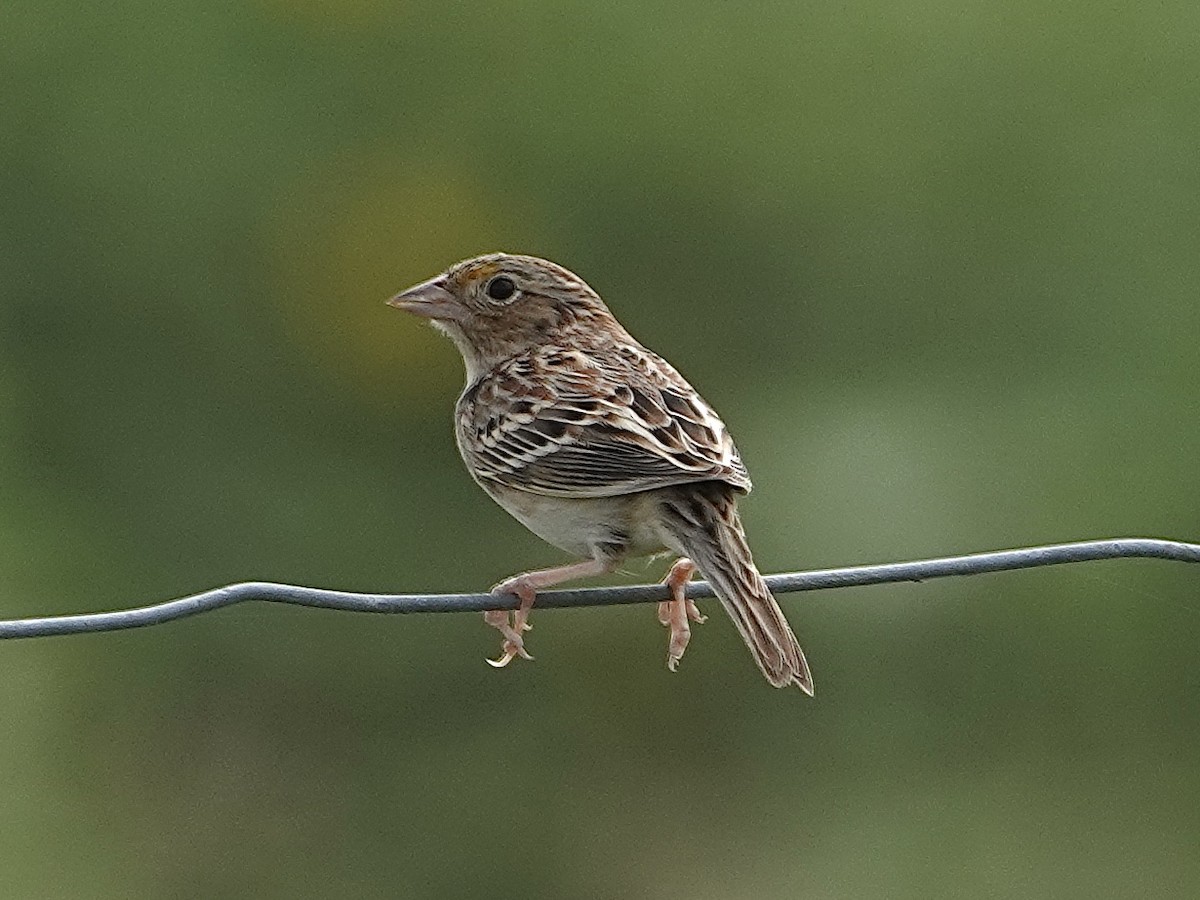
429,299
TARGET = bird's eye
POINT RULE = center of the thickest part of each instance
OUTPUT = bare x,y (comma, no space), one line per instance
501,288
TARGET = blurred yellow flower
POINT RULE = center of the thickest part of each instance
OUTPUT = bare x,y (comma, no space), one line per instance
360,230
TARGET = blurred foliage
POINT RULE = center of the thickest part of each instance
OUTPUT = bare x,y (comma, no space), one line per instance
936,264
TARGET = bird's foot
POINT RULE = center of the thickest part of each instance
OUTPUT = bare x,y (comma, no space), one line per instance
676,613
512,624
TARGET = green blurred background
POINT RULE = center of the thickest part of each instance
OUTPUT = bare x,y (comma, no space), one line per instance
936,265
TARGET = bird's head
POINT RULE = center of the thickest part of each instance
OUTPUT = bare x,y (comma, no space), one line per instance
497,306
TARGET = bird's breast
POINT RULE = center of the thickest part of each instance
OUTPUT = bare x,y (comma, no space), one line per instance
611,527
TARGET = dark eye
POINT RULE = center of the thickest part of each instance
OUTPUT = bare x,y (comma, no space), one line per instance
501,288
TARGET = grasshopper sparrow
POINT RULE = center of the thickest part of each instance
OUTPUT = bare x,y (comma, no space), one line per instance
599,447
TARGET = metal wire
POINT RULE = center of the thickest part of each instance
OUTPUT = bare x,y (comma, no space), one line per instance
919,570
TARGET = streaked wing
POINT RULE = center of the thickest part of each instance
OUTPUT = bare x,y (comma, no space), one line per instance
595,423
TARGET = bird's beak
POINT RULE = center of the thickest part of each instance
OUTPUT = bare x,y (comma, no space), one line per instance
431,300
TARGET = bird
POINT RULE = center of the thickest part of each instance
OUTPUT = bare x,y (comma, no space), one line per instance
599,447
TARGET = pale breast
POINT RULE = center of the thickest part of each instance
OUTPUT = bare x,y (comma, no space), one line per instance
597,527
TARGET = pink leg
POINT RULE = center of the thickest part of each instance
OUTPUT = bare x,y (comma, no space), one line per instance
676,612
525,586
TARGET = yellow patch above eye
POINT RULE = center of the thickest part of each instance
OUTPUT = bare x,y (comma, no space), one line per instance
483,271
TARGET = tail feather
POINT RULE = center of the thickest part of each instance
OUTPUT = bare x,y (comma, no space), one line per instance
707,529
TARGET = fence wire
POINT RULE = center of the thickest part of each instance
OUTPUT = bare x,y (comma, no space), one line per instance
786,583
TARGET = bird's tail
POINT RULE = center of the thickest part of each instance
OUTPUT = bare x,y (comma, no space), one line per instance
708,530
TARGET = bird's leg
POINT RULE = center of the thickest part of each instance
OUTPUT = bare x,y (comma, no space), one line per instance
676,612
525,586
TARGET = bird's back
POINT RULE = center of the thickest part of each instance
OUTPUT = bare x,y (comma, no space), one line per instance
592,420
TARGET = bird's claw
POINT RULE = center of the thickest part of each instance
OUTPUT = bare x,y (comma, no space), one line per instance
509,651
677,643
511,624
678,611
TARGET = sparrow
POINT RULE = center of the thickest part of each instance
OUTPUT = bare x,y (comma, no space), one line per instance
599,447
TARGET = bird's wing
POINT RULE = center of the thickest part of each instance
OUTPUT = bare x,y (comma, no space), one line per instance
593,423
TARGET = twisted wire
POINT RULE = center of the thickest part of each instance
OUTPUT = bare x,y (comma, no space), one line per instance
786,583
